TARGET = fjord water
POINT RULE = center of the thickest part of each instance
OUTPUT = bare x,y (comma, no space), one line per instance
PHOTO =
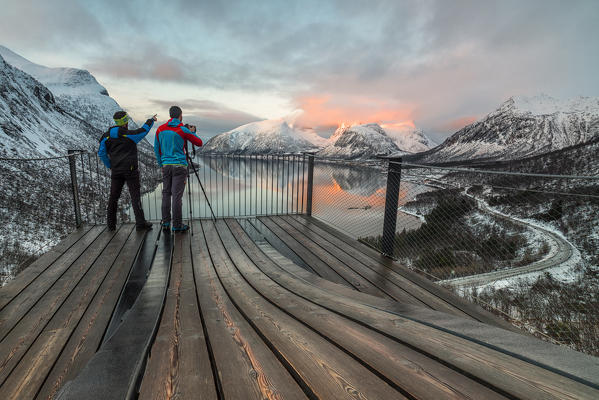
349,197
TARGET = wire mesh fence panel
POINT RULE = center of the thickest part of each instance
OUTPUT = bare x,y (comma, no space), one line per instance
350,196
523,246
238,186
36,209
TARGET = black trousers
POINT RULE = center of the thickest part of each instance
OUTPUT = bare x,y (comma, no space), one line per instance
116,187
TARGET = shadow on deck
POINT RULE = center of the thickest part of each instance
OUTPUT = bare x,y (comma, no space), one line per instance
274,307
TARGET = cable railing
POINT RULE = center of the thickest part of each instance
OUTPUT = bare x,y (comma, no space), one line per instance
239,186
49,196
522,243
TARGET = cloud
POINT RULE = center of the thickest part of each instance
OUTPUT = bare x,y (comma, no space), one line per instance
326,111
150,65
56,24
210,117
432,62
458,123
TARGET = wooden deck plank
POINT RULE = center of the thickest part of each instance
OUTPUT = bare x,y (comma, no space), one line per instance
17,341
239,324
513,376
20,305
391,283
27,377
85,338
363,280
426,286
114,370
179,363
23,279
416,374
329,372
417,295
321,268
246,367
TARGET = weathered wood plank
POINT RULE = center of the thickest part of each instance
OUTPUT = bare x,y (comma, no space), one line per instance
309,258
27,377
326,370
418,281
20,282
508,374
17,341
391,283
363,280
20,305
246,367
85,339
402,289
113,371
179,364
421,377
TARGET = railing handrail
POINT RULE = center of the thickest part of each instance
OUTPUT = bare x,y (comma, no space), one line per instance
495,172
46,158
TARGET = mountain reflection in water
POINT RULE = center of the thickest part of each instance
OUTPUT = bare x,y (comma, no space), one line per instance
349,197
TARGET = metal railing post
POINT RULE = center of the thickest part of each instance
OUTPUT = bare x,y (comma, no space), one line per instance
391,202
75,187
310,184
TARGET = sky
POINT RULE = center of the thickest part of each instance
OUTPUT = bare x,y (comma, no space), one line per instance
434,65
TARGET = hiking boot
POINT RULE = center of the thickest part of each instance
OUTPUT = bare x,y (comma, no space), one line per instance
144,226
181,229
166,226
111,228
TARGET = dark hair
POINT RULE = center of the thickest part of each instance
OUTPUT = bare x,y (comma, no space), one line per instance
175,112
119,115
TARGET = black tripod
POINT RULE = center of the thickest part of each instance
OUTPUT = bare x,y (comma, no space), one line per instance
195,171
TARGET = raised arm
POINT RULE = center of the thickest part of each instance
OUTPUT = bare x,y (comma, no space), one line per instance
138,134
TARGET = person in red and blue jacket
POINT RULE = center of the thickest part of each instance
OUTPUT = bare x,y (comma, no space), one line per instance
118,152
169,146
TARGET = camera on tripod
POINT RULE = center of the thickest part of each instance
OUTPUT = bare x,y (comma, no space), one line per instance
190,127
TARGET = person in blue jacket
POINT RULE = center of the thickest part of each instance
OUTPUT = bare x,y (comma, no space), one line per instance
118,152
169,146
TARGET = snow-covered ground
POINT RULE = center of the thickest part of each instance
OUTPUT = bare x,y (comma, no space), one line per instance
560,261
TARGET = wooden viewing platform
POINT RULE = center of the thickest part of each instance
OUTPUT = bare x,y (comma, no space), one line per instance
280,307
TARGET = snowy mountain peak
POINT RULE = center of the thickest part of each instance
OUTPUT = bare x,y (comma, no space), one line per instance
263,137
359,141
409,139
31,121
75,90
546,105
523,127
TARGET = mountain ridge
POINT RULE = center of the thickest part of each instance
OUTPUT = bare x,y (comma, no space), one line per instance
521,127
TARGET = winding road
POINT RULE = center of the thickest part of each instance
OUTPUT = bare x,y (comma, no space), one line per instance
561,251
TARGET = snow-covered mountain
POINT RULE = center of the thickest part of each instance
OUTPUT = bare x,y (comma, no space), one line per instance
31,121
75,90
522,127
263,137
359,141
409,140
35,195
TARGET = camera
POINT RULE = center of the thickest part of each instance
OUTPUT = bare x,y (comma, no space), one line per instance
190,127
